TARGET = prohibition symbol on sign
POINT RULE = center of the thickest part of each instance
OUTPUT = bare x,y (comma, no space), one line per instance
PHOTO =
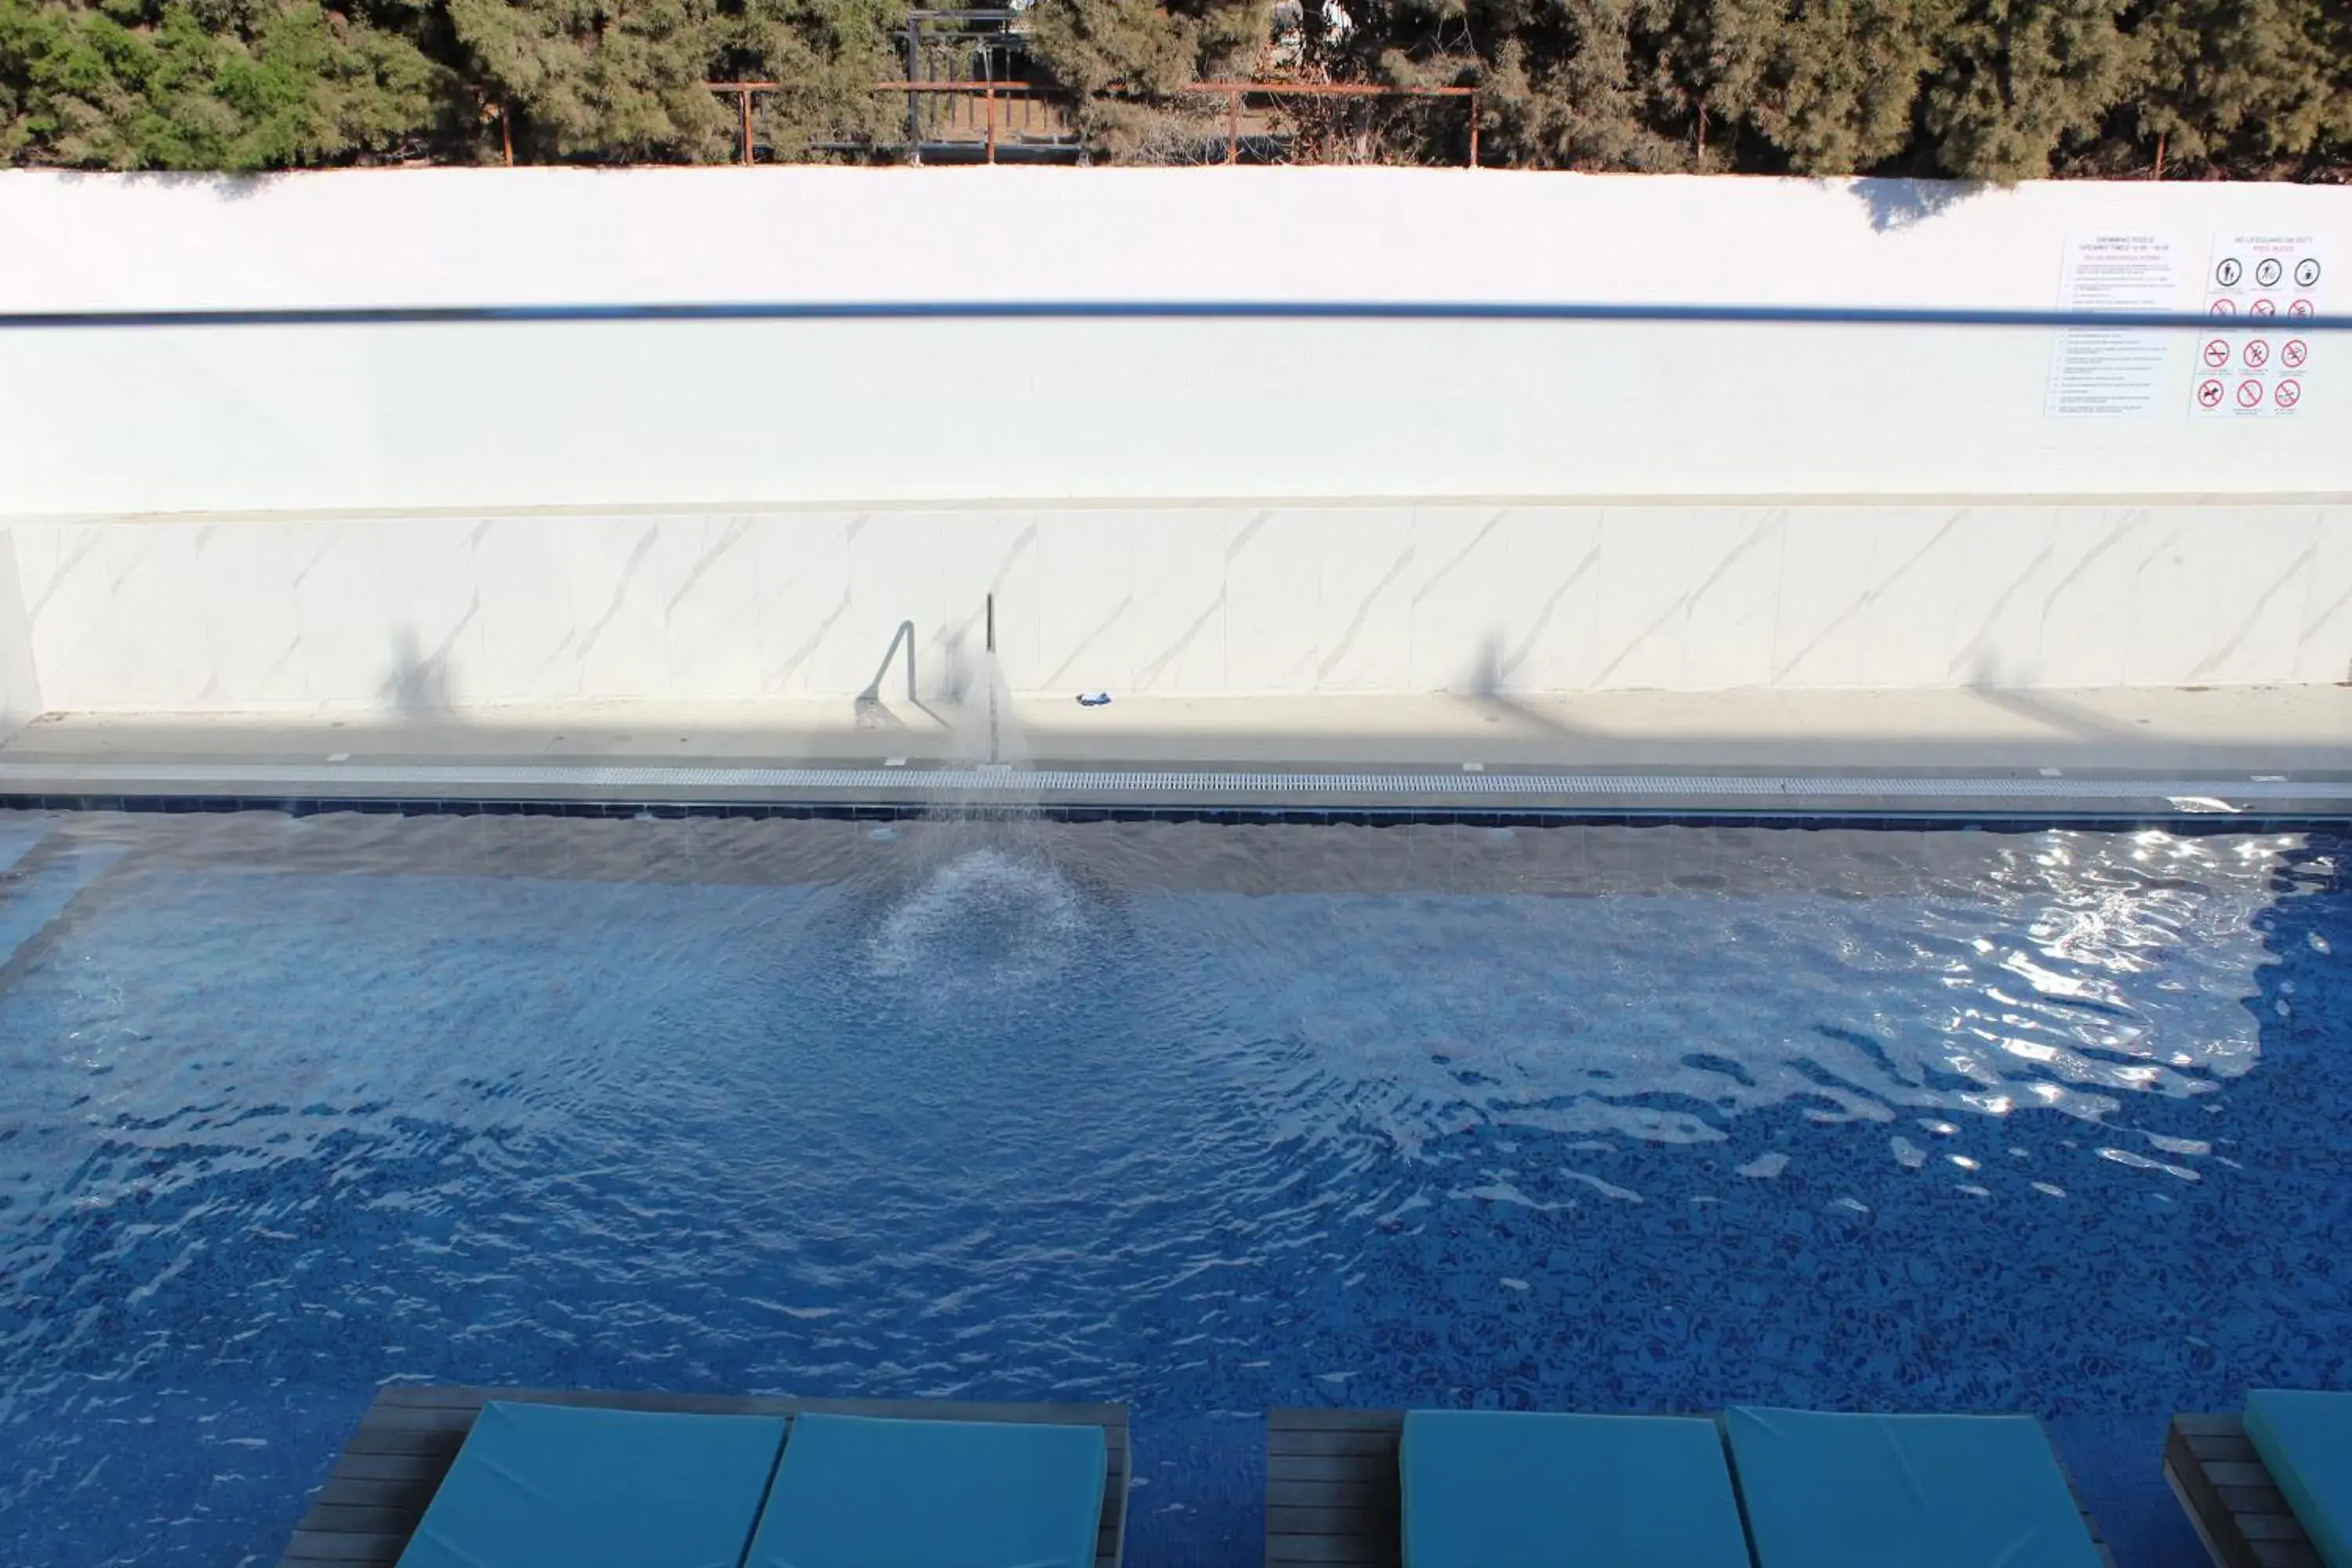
2217,355
2225,307
2258,354
2306,272
2209,394
2269,272
2228,272
2262,307
2293,353
2302,308
2289,394
2250,394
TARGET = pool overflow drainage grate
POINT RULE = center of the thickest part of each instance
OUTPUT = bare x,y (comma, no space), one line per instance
2182,795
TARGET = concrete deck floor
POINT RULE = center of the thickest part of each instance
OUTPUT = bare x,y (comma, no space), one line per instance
2298,733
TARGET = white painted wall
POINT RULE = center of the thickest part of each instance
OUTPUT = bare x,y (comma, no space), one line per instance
425,611
595,416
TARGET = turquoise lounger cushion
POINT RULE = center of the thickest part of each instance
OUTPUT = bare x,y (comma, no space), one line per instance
1904,1491
2306,1439
856,1492
1490,1489
538,1485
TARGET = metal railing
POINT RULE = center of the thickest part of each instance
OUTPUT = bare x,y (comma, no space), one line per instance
1234,93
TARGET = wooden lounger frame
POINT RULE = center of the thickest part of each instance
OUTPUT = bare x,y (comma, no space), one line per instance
2231,1497
1332,1495
388,1472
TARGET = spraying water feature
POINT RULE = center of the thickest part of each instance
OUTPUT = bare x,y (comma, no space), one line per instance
988,651
985,908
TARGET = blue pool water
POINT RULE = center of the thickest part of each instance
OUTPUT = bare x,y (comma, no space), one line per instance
1206,1119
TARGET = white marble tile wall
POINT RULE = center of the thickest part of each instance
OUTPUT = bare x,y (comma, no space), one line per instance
20,690
431,612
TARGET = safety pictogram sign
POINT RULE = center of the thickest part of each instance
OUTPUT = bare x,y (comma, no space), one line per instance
2254,284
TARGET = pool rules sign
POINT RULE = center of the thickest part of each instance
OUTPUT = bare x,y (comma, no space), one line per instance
2262,286
2121,371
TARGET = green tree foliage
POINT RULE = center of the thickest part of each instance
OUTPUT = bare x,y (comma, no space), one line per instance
2017,82
230,84
1838,89
2258,86
1128,63
1982,89
828,53
595,78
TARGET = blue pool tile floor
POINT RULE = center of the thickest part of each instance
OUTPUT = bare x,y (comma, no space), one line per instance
1202,1119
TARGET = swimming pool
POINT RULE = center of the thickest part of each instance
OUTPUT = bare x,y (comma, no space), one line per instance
1203,1118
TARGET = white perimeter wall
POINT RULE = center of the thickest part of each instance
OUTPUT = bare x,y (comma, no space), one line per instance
419,612
337,518
307,419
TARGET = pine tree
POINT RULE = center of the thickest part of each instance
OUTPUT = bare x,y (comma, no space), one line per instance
619,80
828,53
2252,84
265,84
1709,65
1127,63
2016,82
1998,90
1840,87
1572,84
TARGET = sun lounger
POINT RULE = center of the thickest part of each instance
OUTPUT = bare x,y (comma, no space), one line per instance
599,1489
859,1493
1825,1490
1509,1491
2271,1489
1482,1489
1494,1490
496,1478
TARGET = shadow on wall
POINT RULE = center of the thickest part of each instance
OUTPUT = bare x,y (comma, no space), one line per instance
1897,205
418,686
1987,685
1485,689
20,687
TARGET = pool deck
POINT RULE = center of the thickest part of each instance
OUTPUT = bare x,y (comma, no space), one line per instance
386,1475
2133,753
2240,1515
